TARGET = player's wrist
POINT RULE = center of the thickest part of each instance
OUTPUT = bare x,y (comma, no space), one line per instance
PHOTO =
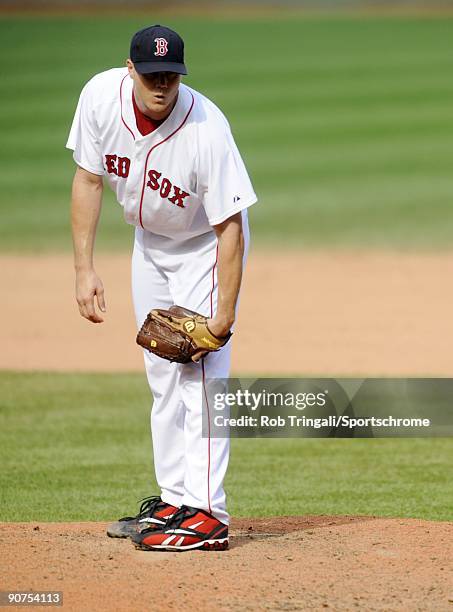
83,267
221,324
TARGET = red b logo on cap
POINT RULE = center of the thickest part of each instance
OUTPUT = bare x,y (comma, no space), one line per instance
161,46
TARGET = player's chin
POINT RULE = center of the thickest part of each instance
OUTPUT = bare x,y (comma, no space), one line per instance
157,106
160,102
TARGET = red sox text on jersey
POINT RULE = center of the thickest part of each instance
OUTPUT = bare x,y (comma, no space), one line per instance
120,166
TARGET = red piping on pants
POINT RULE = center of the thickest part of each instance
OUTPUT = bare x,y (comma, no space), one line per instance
209,435
204,385
213,272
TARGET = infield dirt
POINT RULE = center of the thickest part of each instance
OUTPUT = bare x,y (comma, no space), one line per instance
301,313
283,563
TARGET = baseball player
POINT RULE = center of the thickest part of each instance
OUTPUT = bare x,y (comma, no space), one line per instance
168,153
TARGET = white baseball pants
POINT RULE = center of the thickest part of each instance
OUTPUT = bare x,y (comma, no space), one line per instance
189,469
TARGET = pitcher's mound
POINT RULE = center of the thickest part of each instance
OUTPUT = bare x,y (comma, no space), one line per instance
279,563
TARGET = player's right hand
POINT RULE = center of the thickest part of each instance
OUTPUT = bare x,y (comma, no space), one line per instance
89,285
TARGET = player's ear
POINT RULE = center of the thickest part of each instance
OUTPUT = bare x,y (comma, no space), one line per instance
130,66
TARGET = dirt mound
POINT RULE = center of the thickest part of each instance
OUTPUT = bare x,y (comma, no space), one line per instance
282,563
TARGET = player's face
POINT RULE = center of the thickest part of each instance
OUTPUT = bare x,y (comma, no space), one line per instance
155,93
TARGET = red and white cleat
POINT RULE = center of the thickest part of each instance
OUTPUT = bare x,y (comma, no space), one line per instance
188,529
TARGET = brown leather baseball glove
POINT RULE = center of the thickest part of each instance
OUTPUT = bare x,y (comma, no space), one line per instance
178,334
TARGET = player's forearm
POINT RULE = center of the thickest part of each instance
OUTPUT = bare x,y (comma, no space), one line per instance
229,270
85,210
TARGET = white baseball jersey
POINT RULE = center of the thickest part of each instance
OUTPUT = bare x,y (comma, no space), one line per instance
178,181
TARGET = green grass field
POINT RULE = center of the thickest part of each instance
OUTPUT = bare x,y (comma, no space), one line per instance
345,123
77,447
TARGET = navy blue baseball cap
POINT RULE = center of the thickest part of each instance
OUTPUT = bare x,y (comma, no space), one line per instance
157,49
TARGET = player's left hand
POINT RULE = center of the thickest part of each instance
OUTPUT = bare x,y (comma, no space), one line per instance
182,335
